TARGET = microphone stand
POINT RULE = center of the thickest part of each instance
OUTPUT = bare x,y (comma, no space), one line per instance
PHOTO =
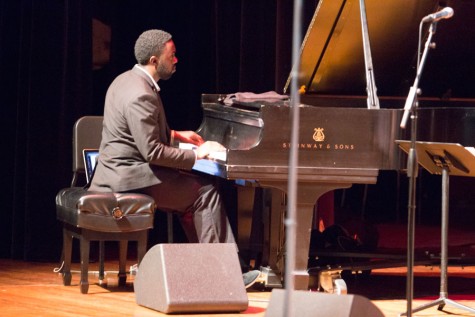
412,166
291,220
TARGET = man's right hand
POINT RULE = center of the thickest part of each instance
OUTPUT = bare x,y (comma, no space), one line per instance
208,147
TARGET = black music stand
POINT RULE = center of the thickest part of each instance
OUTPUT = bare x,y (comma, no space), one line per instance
443,159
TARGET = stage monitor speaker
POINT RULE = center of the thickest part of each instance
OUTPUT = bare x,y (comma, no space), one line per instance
314,304
191,278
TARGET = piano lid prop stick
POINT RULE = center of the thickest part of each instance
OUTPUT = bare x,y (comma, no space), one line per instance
372,100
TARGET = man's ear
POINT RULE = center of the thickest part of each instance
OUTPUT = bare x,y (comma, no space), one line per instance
153,60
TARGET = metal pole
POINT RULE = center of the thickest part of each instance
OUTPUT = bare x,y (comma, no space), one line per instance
290,222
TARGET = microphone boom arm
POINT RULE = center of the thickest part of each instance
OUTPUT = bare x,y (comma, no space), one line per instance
413,91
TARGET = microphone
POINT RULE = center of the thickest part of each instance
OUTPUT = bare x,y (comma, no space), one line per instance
445,13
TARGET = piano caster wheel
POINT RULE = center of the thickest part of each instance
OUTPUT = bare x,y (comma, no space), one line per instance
331,282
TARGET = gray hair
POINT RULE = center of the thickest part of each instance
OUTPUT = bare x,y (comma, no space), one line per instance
150,43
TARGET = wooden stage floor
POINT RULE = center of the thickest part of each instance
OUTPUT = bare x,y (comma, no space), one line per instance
34,289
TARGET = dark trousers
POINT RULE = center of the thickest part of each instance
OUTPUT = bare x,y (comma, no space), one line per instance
197,201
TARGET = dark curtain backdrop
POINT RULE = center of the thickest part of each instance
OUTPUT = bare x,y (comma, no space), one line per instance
48,83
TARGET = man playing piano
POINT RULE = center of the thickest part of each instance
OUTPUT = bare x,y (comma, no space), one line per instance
136,153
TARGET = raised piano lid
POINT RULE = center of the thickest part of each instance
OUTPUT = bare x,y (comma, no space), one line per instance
332,56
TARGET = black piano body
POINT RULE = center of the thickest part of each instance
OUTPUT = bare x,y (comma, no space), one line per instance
258,137
338,147
341,141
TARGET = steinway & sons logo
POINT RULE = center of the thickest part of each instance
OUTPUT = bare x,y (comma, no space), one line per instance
319,143
318,135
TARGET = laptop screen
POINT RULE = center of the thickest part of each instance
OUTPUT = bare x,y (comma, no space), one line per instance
90,160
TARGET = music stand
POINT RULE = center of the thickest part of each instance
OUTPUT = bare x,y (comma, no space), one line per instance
443,159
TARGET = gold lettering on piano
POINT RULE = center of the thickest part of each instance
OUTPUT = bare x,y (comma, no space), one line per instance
311,146
321,146
344,147
318,135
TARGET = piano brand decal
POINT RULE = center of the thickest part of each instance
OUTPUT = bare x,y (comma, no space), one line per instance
319,138
318,135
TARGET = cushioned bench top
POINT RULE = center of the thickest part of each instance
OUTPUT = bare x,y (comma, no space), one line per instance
105,211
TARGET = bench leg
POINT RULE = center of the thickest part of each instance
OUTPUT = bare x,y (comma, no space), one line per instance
67,253
102,249
122,262
85,248
142,246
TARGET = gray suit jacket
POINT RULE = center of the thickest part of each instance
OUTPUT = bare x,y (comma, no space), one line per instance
135,137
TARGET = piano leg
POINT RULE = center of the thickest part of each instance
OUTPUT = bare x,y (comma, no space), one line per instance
272,258
307,195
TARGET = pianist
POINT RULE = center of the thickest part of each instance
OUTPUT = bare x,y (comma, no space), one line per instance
135,152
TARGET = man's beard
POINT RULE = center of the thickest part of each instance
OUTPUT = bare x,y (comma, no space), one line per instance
164,73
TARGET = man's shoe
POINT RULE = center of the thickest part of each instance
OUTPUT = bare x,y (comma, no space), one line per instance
251,277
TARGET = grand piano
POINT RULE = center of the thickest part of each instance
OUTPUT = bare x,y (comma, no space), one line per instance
342,141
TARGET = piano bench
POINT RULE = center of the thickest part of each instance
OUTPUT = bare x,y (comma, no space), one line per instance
102,216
